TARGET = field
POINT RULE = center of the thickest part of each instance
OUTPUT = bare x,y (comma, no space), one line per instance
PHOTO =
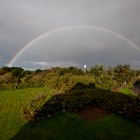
65,126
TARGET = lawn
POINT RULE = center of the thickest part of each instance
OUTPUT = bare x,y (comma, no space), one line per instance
10,109
68,126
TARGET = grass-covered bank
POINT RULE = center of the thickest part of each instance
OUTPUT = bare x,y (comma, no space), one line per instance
128,91
11,102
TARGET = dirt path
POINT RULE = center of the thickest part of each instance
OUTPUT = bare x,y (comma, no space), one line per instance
93,113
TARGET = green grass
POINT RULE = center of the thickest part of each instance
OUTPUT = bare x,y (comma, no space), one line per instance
127,91
68,126
10,109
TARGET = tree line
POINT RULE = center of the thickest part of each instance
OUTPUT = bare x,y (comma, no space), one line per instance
64,78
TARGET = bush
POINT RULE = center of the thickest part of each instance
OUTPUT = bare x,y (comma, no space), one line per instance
75,100
66,82
28,111
137,84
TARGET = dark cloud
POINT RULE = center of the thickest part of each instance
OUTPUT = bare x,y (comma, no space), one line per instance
23,20
79,46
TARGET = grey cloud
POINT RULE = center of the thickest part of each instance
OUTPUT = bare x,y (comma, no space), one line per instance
23,20
32,65
82,46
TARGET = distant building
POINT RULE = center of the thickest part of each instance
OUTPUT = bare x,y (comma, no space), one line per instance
85,67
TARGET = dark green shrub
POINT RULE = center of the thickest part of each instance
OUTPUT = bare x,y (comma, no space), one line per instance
81,86
137,84
75,100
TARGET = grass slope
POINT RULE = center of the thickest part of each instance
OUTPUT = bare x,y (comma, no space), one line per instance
10,107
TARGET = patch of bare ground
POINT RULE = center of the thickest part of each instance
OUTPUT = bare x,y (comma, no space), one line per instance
93,113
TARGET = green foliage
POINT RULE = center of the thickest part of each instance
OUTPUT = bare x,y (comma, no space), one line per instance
123,73
65,82
105,82
28,111
62,79
62,71
4,70
97,70
76,99
16,71
17,78
59,103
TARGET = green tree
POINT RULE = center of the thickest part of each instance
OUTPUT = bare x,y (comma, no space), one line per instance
97,70
4,70
17,72
123,73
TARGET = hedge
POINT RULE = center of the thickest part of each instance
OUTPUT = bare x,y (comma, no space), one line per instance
75,100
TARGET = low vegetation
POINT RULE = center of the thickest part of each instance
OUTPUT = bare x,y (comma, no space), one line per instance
27,96
63,79
82,96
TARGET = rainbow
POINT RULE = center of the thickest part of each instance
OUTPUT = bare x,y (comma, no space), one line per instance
15,57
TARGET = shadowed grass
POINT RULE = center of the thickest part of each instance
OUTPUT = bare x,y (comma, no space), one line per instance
70,126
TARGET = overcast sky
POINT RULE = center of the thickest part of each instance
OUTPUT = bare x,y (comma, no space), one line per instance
23,20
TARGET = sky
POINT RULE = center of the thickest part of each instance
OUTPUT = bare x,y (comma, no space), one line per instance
21,21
